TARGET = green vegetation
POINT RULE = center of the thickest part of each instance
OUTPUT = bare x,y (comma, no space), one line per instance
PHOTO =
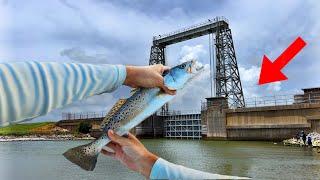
26,129
84,127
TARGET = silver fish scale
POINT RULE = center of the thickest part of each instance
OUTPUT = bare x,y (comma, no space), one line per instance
133,105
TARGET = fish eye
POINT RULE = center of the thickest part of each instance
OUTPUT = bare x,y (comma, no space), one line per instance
183,65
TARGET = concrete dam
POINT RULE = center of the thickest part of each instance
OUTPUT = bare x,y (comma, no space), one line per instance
219,122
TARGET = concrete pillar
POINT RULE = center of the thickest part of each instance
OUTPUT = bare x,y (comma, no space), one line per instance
217,102
214,118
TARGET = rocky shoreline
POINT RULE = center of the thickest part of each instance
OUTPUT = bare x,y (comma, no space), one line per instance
314,136
54,137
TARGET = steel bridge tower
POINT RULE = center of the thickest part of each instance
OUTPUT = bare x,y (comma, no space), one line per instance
227,78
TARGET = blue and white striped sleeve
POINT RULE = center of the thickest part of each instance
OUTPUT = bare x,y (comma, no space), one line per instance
31,89
163,169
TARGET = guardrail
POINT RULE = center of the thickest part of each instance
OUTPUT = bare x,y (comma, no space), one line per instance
277,100
177,112
83,115
93,115
209,21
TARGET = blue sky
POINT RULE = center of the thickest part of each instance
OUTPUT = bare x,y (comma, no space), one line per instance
120,32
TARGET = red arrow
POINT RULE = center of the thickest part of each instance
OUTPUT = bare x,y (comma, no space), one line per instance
271,71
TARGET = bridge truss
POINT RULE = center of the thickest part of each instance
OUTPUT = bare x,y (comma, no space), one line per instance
226,78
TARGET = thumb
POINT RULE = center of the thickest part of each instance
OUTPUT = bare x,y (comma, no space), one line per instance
167,90
117,139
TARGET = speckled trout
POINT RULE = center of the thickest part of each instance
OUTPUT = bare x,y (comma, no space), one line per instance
126,114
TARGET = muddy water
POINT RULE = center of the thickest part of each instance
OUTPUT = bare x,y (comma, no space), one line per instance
260,160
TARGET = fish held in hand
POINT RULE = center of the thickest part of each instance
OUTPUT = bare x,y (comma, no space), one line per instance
126,114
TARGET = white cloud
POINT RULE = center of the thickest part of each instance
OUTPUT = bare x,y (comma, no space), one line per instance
79,55
199,88
192,52
274,87
249,75
249,79
98,103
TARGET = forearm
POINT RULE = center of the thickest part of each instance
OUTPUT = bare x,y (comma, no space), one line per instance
30,89
163,169
147,163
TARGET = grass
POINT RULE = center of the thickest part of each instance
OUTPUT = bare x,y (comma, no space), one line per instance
27,129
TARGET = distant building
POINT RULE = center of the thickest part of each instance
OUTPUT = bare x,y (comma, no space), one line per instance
310,95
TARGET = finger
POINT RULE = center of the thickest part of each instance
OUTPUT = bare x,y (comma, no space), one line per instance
159,68
167,90
165,68
117,139
131,136
134,139
107,153
112,146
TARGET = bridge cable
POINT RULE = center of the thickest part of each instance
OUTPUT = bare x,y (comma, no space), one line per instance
210,59
213,65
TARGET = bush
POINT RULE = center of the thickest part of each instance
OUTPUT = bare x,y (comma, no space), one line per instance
84,127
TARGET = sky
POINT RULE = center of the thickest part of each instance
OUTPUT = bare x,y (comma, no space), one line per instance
120,32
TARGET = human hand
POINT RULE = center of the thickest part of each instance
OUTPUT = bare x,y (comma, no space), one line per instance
147,76
130,152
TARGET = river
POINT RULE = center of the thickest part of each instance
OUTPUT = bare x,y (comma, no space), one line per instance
259,160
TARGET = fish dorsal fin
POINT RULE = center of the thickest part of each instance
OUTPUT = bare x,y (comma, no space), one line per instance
112,111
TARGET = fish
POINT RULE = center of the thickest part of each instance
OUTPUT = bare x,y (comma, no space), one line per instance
128,113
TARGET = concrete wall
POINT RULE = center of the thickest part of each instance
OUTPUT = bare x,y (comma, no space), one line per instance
262,123
151,127
213,118
95,131
269,123
315,123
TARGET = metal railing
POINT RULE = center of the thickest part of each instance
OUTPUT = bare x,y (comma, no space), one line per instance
264,101
83,115
269,100
177,112
277,100
209,21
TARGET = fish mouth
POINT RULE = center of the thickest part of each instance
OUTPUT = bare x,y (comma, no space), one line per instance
189,70
199,68
195,67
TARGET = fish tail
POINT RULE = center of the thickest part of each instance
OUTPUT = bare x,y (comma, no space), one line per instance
84,156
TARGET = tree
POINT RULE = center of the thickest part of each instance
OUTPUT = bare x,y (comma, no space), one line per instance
84,127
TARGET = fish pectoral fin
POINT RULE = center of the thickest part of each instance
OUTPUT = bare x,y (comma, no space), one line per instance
112,111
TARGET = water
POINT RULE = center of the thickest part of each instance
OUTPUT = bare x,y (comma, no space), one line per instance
260,160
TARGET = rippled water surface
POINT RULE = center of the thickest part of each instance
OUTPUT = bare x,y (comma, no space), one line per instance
260,160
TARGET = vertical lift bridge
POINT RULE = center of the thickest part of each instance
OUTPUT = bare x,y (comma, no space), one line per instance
227,78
